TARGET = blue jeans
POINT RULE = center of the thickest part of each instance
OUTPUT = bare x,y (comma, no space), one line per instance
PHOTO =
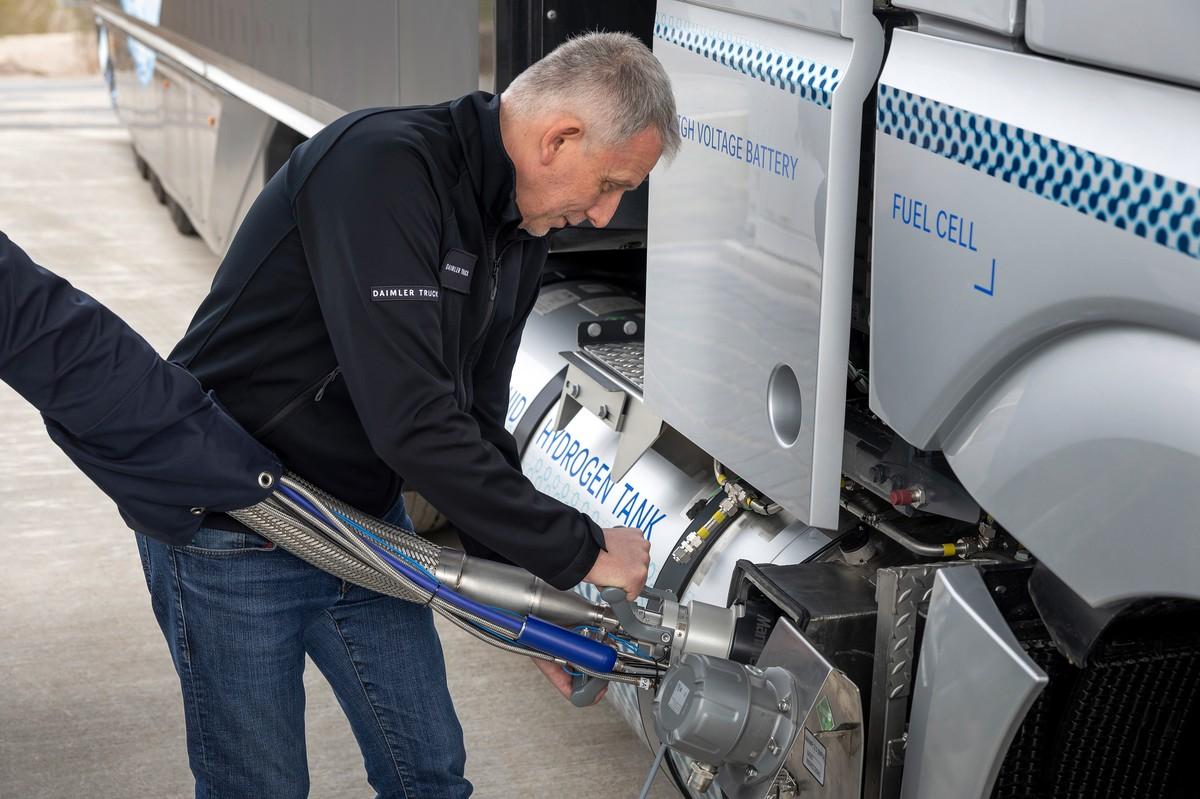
239,614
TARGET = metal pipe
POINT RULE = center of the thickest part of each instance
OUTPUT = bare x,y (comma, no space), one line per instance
893,532
515,589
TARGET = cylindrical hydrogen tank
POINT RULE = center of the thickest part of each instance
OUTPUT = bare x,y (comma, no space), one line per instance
574,465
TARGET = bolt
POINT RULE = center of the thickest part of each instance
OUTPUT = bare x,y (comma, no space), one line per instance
573,389
1021,555
1000,590
630,327
773,746
784,706
665,638
552,15
751,772
594,329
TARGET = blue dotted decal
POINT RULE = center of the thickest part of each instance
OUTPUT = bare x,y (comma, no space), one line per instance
811,81
1147,204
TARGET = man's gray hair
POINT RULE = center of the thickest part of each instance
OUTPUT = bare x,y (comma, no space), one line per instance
611,80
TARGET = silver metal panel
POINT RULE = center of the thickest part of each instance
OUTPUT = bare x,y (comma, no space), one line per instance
1075,453
750,257
355,59
237,171
1151,37
902,594
205,120
826,759
178,171
627,359
937,341
1002,16
270,36
1088,454
822,15
439,50
974,686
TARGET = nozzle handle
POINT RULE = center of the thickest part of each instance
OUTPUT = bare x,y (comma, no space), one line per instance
585,689
633,625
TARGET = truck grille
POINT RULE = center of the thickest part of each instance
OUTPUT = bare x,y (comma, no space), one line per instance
1124,726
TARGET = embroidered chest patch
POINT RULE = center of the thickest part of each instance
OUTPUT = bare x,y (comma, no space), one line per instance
456,271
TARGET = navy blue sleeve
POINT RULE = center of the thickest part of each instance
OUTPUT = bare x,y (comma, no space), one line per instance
370,217
140,428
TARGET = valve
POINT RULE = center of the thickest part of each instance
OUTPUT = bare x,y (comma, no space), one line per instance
913,496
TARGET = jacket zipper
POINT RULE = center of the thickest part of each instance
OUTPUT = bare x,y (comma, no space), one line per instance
329,378
295,402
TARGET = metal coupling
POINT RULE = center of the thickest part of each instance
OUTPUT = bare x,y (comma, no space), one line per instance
726,512
701,776
966,547
683,553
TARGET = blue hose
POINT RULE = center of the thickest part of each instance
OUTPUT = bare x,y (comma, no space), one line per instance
529,631
571,647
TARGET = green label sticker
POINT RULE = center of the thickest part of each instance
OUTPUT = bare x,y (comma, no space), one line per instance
825,714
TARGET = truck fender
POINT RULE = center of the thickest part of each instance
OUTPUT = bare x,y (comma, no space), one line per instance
1079,446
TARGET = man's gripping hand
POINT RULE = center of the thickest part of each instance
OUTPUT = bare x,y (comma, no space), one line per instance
626,562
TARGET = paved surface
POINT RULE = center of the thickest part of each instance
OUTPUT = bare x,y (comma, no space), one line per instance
89,703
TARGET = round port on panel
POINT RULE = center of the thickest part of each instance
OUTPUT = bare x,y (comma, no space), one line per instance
784,405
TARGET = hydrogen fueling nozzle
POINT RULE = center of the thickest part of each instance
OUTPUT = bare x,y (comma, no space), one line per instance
663,627
505,606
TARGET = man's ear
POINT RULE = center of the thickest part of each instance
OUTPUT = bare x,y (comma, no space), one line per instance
564,132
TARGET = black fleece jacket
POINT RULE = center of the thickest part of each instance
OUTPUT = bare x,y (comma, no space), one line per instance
365,320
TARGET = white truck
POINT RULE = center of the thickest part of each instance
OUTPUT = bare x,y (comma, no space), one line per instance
900,357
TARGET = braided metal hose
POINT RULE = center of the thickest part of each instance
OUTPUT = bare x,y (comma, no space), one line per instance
307,545
347,543
424,552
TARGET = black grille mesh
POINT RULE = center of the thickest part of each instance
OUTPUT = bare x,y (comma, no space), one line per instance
1124,726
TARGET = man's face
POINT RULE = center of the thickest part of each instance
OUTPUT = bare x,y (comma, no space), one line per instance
571,182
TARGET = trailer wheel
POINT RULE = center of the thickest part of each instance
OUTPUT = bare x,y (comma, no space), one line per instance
180,218
156,186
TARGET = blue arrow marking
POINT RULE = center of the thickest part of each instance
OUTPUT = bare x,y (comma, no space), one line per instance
991,289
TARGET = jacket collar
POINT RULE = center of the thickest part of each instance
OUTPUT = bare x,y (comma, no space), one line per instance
477,119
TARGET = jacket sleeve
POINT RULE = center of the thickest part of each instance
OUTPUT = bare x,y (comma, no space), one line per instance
140,428
369,219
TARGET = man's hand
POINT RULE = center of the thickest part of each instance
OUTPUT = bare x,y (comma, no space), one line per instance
625,564
559,678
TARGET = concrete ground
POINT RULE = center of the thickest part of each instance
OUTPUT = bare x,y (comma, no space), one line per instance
89,703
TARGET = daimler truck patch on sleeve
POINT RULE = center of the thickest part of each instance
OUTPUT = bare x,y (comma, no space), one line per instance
386,293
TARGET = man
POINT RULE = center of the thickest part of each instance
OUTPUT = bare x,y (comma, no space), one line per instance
364,326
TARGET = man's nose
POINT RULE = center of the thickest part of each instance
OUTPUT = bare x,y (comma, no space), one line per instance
602,212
